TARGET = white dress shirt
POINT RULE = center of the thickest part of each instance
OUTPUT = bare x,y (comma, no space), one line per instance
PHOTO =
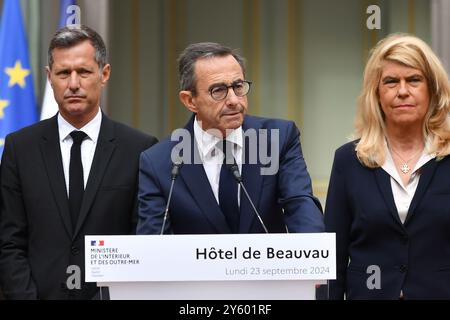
212,157
403,194
92,129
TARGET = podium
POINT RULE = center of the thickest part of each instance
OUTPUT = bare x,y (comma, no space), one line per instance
211,267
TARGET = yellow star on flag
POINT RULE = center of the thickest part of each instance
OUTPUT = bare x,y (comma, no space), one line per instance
3,105
2,142
17,75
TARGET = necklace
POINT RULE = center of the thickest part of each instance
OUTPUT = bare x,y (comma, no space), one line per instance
405,168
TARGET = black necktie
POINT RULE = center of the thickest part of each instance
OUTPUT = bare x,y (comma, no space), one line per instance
76,181
228,189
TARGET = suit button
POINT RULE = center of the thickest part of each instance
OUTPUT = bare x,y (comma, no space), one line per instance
403,268
405,239
75,250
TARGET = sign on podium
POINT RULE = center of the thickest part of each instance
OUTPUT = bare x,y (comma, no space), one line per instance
211,267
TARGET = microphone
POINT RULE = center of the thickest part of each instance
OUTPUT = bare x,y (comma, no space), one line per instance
176,166
237,175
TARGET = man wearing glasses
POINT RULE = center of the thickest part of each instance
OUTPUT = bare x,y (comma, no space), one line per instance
222,143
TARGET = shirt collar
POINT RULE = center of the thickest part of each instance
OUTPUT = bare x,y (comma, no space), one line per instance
206,141
92,128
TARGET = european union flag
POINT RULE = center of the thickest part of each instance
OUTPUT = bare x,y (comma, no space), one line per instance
17,101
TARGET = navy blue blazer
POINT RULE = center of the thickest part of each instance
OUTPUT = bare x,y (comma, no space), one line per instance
413,257
284,199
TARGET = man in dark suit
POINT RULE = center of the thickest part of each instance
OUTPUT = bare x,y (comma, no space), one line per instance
73,175
267,152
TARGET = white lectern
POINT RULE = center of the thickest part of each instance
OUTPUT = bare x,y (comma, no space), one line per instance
211,267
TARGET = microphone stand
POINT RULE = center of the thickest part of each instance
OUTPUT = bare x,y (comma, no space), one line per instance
175,171
235,170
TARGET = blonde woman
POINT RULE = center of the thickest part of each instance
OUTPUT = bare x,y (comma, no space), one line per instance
389,194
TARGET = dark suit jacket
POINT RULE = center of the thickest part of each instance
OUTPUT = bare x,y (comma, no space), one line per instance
194,209
414,256
37,243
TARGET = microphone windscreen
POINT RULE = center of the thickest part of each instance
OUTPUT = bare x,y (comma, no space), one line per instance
176,167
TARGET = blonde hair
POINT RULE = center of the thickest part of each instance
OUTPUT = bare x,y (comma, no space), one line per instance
370,127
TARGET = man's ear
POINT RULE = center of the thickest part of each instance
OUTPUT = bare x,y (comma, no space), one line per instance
48,72
106,72
187,99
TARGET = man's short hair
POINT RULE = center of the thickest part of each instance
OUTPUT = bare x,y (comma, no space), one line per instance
70,36
196,51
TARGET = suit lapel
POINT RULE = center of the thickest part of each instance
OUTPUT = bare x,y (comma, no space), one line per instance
104,150
51,153
196,181
427,174
384,185
252,179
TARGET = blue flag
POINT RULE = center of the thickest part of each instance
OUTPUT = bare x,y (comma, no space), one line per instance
17,101
49,105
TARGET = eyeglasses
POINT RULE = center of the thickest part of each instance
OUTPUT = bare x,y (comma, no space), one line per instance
240,88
